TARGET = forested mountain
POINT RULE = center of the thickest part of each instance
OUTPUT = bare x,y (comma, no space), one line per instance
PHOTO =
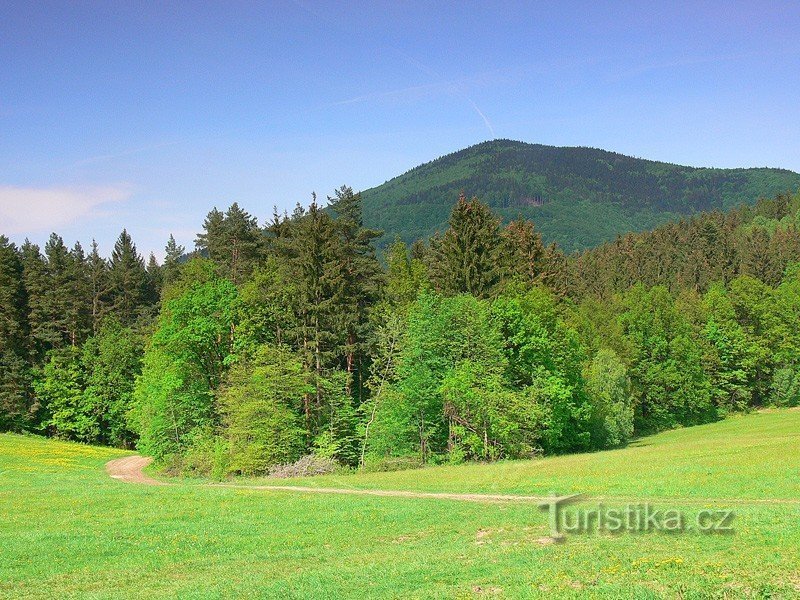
289,345
578,197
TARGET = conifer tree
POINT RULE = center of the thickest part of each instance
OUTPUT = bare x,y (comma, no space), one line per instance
155,279
78,290
97,270
358,281
523,252
173,254
34,276
465,258
128,279
15,397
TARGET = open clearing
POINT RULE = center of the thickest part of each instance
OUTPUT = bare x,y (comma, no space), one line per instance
68,529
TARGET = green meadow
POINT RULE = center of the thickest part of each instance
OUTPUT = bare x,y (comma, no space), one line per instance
68,530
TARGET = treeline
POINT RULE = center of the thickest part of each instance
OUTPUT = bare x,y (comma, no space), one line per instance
274,342
712,247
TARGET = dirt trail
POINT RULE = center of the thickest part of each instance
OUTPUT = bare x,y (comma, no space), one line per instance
129,470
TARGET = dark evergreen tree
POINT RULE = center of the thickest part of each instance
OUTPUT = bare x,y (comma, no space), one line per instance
127,279
16,403
97,270
155,279
358,282
465,258
172,258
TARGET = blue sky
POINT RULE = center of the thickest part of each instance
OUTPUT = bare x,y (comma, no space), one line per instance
145,115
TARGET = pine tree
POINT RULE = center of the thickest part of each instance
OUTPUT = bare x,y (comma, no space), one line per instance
128,280
358,281
232,240
171,266
465,258
523,252
34,276
78,286
97,269
59,303
16,405
242,241
155,279
209,242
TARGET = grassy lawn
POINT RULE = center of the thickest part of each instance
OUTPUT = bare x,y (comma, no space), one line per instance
67,529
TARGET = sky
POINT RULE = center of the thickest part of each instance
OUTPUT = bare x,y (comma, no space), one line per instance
145,115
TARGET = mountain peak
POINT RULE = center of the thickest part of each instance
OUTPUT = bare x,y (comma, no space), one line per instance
577,196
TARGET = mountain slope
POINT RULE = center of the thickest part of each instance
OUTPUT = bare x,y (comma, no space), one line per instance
578,197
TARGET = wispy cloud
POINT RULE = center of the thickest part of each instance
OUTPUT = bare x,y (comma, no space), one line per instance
30,210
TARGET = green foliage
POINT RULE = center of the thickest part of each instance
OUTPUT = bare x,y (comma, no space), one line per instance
112,361
261,406
128,281
16,403
785,389
466,258
60,387
669,385
588,196
608,386
182,367
292,341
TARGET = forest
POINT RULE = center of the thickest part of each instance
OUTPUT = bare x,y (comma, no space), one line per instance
584,196
296,346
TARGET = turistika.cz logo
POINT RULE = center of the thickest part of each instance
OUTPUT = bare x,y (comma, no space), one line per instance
642,517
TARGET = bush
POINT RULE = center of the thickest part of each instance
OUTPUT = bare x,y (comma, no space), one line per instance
381,464
785,389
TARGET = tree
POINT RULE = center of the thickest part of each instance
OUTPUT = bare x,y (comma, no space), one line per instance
357,283
232,240
155,279
16,405
172,258
523,252
669,384
35,279
59,386
182,367
99,285
112,360
127,280
261,407
465,258
732,363
608,387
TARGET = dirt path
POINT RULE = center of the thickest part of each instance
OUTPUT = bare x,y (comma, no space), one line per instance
129,470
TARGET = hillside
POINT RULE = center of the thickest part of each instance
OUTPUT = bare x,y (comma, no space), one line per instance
578,197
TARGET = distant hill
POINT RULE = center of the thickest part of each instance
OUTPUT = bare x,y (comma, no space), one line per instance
578,197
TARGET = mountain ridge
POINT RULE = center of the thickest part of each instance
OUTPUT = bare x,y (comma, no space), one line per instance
578,196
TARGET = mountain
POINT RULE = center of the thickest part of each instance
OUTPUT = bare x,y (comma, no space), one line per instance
578,197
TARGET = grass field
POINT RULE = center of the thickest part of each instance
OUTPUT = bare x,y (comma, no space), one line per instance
67,529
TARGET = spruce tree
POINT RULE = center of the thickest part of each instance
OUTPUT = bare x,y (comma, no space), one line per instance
465,258
171,266
522,255
99,284
358,282
155,279
34,276
128,280
15,386
78,288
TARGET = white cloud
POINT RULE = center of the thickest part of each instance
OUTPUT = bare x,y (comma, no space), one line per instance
31,210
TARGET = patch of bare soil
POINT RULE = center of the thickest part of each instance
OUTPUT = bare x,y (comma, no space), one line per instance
129,470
